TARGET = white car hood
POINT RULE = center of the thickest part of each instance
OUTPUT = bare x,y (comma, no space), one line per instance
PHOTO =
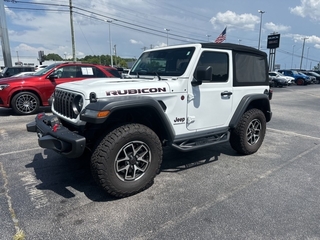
104,87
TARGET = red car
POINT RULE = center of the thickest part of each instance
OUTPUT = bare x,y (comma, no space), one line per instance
27,93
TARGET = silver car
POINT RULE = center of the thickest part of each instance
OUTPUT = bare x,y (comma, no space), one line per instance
274,74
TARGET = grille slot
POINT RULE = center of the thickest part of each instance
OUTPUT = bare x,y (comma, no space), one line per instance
63,103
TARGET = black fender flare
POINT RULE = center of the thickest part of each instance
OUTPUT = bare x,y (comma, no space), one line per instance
260,101
115,104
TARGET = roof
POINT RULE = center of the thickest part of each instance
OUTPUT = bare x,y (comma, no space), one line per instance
234,47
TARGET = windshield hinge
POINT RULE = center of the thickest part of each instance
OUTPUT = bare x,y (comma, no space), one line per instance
190,97
191,119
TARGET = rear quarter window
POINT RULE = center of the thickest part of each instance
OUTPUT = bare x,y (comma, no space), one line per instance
250,69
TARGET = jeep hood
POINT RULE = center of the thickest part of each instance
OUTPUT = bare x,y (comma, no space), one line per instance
104,87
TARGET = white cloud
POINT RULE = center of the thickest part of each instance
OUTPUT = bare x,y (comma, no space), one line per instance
308,8
277,28
9,13
136,42
160,44
298,38
244,21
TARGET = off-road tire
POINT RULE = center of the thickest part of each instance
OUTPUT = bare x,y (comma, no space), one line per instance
25,103
126,148
248,136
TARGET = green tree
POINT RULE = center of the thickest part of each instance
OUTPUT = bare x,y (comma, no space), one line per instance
53,56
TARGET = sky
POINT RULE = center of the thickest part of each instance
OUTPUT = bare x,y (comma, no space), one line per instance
135,25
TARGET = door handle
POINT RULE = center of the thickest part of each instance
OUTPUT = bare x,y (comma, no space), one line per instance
226,93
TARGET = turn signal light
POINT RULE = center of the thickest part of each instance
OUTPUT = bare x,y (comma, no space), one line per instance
103,114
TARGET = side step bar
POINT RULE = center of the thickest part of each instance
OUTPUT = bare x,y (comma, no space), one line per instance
198,143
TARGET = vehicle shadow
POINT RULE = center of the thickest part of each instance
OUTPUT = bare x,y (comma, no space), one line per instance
176,161
9,111
58,173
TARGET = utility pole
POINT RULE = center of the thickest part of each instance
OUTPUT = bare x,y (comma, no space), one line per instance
304,41
292,55
115,54
72,32
4,37
111,55
166,29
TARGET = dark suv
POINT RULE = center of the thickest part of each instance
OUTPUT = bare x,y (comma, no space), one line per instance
26,94
10,71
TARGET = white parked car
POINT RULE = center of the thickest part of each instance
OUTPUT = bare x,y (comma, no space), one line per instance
23,74
40,67
274,74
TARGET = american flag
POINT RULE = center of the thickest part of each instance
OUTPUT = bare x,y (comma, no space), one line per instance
222,37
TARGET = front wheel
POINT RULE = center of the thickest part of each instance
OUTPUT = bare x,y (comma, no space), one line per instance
300,81
248,136
25,103
127,160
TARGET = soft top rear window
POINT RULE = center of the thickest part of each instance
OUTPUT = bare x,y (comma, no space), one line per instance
250,69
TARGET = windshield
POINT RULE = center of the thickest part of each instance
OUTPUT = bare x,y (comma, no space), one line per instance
168,62
46,69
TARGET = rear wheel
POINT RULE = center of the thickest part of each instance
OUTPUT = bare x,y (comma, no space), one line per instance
248,136
127,160
25,103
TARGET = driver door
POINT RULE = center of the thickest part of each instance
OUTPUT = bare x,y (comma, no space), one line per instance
210,103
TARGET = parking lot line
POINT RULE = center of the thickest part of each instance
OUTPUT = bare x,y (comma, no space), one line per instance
19,232
19,151
293,133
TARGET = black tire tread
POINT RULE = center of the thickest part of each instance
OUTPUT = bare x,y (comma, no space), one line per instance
238,135
107,145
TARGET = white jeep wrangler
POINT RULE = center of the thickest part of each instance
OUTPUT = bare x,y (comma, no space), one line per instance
186,96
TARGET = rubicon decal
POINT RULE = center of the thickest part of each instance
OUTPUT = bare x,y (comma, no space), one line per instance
135,91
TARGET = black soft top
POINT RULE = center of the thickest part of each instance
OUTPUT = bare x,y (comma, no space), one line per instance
234,47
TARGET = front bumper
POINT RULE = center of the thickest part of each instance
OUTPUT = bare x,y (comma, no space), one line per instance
53,135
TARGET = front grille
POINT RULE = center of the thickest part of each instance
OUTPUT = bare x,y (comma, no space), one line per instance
63,103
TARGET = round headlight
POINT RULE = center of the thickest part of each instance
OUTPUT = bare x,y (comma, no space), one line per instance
77,104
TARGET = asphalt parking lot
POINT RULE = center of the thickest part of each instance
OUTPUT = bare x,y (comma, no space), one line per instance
212,193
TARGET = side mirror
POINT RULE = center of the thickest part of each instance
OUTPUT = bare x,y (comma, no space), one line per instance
202,73
196,82
52,76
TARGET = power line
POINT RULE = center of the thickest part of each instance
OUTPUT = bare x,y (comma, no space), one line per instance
138,27
112,18
38,9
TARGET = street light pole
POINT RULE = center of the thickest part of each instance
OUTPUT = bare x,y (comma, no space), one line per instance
166,29
307,58
261,12
208,36
18,57
292,55
304,41
239,41
109,21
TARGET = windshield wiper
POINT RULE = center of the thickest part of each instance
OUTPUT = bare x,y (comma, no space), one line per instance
159,78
